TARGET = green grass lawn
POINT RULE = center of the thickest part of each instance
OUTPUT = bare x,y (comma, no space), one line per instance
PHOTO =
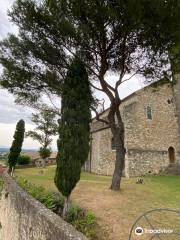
117,211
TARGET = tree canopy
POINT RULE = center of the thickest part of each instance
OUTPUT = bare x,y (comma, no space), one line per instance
46,127
109,35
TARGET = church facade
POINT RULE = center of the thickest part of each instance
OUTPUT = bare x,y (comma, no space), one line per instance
152,133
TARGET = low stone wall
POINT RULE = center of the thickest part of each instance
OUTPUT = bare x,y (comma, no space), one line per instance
147,162
24,218
33,165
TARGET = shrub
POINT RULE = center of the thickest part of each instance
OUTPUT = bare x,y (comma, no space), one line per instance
83,221
23,160
44,152
49,199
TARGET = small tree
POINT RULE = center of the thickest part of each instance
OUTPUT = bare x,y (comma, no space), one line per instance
23,160
74,130
44,152
15,149
46,127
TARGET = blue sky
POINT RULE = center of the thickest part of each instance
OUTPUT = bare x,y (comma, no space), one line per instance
10,112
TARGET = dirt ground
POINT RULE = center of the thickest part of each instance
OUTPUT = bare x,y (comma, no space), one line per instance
116,212
107,205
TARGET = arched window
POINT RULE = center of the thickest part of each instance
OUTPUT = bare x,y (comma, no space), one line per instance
171,153
149,112
113,144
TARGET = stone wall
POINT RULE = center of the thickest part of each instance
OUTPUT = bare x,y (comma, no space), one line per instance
24,218
147,162
103,157
146,140
176,92
158,133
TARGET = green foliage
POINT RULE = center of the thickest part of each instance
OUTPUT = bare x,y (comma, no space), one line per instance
44,152
23,160
49,199
16,145
74,128
84,222
3,157
4,160
106,34
46,127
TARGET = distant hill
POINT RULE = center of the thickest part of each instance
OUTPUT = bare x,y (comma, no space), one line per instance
6,150
34,155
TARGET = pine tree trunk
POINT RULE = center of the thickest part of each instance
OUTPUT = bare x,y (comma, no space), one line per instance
117,129
120,162
66,207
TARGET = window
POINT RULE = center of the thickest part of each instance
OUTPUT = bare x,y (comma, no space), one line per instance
171,152
149,112
113,145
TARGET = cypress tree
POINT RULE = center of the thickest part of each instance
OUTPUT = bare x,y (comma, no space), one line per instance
74,129
15,149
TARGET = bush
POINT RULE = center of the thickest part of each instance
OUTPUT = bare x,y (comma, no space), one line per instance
50,199
4,160
23,160
44,152
83,221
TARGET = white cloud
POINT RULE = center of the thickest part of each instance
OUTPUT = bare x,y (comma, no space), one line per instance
11,112
7,132
5,25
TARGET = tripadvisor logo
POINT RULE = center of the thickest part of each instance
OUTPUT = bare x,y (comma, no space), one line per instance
148,231
139,231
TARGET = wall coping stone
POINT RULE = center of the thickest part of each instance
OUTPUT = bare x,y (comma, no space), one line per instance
61,230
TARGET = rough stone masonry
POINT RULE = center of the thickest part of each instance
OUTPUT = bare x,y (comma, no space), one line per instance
152,133
24,218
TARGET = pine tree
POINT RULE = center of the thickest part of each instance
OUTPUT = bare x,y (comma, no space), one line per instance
15,149
74,130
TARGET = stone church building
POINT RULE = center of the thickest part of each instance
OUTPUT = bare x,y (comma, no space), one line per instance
152,133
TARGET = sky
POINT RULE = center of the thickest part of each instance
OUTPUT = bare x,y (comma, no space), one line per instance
10,112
